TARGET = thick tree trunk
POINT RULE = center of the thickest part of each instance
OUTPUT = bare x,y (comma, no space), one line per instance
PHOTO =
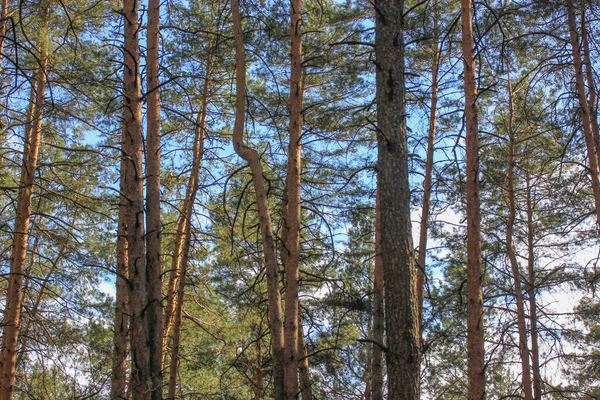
118,388
588,131
154,311
435,66
293,208
475,338
401,302
303,369
251,157
378,311
14,297
184,238
535,348
133,191
510,250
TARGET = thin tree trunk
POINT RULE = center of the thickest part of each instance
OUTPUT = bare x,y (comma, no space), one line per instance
592,148
118,389
589,75
510,250
475,330
293,208
180,266
303,369
378,311
251,157
535,349
14,297
401,302
258,371
133,191
435,66
154,311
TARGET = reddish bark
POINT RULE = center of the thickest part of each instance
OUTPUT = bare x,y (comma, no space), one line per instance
475,329
251,157
14,296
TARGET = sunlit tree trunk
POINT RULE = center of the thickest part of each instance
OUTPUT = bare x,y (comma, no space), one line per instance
586,117
401,302
14,296
475,338
133,191
184,236
293,209
251,157
154,311
378,312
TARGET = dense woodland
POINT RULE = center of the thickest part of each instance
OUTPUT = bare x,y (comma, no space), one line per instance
303,199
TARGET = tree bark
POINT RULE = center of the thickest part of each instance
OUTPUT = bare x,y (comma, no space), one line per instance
118,388
475,330
303,369
535,349
378,311
183,242
401,302
293,208
589,75
133,191
3,16
421,273
251,157
154,311
592,148
14,297
510,250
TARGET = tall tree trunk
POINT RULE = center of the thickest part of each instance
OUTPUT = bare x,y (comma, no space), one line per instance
251,157
133,191
378,312
118,388
293,208
435,66
401,302
183,242
154,311
14,297
535,348
589,75
475,339
510,250
303,369
3,20
592,148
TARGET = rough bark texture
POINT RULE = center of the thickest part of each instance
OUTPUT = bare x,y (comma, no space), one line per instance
421,273
118,388
589,75
14,296
251,157
133,190
3,16
590,142
378,313
535,348
401,303
510,250
153,312
293,209
475,338
303,370
183,242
